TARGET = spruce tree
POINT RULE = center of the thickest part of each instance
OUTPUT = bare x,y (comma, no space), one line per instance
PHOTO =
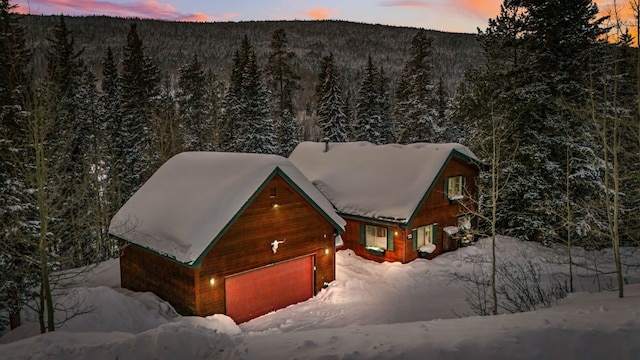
247,125
257,130
535,76
415,110
331,117
110,102
214,93
167,128
371,119
232,105
71,145
139,85
19,276
194,122
282,82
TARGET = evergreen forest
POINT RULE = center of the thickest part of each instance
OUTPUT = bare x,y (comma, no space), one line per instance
547,96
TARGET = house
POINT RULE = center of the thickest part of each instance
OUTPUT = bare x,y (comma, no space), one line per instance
240,234
400,202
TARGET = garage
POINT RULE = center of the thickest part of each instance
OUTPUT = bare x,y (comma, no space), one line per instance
257,292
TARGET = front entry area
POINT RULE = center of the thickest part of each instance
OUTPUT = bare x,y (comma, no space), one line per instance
257,292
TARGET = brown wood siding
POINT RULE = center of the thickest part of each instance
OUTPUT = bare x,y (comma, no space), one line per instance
437,209
246,244
351,238
142,270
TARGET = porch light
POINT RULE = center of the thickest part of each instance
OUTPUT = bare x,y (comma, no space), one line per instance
274,205
326,251
212,281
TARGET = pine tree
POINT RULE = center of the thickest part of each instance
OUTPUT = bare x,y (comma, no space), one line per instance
257,130
247,125
442,105
331,117
109,99
535,75
139,85
282,81
372,121
214,92
415,111
166,126
70,141
232,105
196,129
19,275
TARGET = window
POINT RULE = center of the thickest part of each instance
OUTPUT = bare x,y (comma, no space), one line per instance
454,187
425,237
465,224
376,237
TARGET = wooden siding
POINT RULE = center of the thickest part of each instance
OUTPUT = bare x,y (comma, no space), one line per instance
436,209
246,244
143,270
351,238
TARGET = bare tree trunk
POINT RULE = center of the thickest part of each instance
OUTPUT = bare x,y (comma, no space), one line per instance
495,159
38,137
569,218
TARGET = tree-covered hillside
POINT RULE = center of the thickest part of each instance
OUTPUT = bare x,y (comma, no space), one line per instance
173,44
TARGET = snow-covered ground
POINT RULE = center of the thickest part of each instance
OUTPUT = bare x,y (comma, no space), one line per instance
371,311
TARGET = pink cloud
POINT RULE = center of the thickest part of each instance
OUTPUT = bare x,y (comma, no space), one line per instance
405,3
483,9
142,9
321,13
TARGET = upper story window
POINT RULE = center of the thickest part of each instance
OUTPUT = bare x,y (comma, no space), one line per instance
454,187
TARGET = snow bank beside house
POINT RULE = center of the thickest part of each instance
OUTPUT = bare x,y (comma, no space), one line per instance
372,311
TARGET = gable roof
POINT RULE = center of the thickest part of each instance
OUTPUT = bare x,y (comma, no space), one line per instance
190,201
382,182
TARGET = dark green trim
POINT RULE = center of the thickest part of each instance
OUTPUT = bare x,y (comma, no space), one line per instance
390,239
414,239
373,221
152,251
434,235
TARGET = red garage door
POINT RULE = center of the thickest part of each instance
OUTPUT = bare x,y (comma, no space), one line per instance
257,292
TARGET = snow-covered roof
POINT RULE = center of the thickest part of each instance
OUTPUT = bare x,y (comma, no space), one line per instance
385,182
190,199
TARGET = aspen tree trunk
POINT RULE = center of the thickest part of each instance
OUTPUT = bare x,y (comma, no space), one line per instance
38,137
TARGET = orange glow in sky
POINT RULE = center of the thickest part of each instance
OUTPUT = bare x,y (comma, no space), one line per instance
444,15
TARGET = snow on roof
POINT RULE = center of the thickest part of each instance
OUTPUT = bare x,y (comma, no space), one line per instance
191,198
385,182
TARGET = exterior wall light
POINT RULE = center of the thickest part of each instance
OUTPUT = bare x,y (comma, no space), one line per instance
212,281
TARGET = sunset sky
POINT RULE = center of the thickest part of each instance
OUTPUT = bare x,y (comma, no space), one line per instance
445,15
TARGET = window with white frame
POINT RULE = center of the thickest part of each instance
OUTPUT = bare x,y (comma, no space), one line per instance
376,237
454,187
425,235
